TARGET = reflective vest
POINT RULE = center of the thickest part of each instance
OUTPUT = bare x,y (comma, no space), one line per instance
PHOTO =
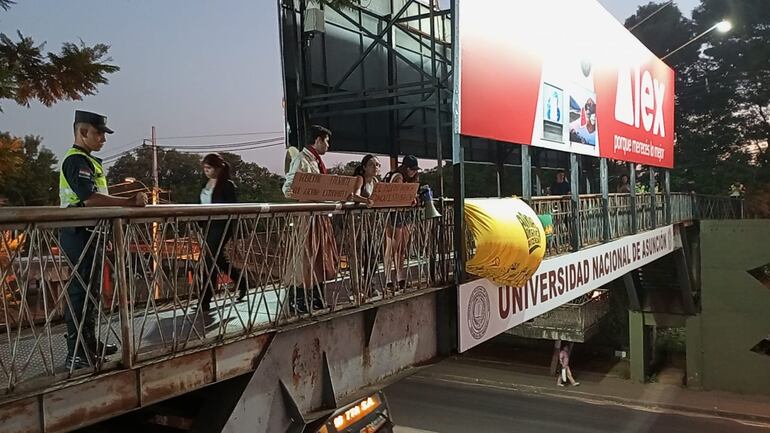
67,196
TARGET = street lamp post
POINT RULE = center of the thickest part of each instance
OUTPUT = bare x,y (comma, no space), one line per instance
722,26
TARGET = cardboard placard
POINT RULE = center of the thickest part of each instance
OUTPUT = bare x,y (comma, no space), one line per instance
393,194
322,187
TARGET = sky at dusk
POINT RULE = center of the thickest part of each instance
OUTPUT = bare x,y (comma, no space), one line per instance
188,67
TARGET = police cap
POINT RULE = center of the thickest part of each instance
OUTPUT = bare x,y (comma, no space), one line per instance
96,120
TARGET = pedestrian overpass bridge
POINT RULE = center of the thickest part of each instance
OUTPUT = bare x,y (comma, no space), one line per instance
251,364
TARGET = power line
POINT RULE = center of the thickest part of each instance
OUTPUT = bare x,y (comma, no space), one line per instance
236,150
220,145
118,155
650,15
122,146
234,134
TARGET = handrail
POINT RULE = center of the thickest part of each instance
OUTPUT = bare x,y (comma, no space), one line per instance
154,263
34,214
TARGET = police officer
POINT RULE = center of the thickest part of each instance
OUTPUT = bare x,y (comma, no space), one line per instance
82,183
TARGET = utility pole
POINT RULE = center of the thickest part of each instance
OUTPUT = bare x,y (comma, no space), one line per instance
154,168
155,239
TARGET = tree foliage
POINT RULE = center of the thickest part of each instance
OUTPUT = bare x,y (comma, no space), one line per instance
182,175
32,177
722,93
344,169
28,72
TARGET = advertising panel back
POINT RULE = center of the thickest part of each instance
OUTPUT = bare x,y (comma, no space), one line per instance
563,75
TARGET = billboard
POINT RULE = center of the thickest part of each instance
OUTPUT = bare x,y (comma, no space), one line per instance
563,75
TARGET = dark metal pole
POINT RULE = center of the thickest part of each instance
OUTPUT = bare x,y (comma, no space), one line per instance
299,69
653,200
457,153
500,166
605,188
526,173
437,95
632,186
395,143
667,196
574,168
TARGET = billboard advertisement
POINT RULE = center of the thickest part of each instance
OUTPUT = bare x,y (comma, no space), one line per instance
564,75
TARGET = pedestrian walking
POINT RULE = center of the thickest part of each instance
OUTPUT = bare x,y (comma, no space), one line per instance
218,189
566,373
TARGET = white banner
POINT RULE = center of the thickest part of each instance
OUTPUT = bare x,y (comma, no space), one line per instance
487,309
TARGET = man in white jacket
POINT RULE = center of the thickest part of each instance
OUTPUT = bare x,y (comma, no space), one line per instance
313,256
309,160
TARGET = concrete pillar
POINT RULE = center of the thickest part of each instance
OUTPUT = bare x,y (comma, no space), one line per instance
694,353
638,337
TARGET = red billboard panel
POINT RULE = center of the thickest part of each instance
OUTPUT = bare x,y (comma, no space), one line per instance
563,75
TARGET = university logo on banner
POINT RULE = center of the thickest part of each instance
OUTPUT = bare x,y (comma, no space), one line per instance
479,310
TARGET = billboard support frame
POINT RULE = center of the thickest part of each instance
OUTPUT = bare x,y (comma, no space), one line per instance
632,185
653,199
393,34
458,166
526,172
605,190
667,195
574,168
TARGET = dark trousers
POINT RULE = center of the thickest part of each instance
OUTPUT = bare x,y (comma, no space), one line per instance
298,301
216,261
81,309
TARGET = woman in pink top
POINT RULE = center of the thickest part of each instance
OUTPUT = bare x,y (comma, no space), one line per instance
566,373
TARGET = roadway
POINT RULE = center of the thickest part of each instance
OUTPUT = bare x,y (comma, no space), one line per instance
427,405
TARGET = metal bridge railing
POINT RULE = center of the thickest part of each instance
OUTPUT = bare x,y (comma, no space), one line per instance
681,207
717,207
592,219
145,271
560,209
620,220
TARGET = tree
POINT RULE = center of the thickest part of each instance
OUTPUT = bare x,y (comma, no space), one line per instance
178,172
722,94
34,180
344,169
29,73
182,175
10,155
255,184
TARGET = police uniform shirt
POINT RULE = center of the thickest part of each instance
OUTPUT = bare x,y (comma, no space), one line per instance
80,174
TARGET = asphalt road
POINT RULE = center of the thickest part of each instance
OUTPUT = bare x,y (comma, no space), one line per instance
428,405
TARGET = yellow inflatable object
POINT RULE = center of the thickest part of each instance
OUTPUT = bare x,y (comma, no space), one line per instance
509,238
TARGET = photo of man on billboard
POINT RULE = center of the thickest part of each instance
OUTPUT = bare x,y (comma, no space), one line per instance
582,127
582,105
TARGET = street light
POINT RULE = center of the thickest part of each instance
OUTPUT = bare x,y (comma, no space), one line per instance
722,26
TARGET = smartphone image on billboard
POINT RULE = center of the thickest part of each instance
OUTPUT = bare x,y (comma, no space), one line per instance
553,113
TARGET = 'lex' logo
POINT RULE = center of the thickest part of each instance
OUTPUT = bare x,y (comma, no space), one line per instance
640,98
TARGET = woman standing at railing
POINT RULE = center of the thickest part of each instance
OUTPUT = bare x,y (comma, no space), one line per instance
218,189
399,227
366,176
